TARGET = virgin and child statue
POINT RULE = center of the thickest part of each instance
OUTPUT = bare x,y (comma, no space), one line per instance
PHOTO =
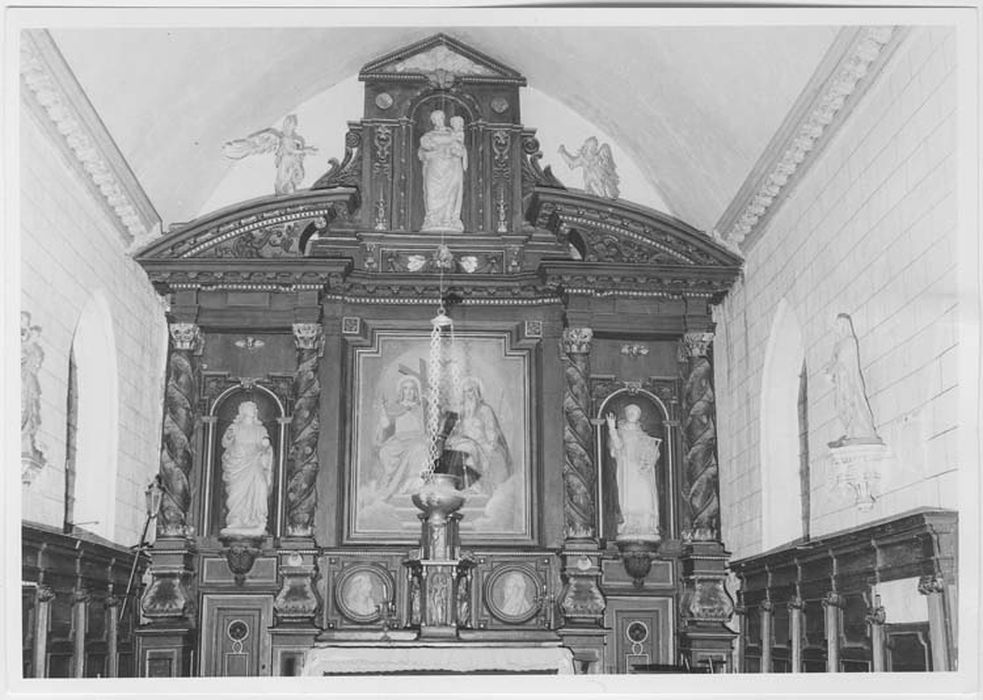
247,473
635,453
445,160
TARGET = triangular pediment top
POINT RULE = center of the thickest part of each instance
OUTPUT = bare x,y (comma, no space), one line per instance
440,53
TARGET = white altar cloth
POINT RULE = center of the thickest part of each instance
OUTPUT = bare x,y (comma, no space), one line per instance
457,658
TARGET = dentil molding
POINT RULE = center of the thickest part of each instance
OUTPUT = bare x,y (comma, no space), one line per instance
54,94
843,76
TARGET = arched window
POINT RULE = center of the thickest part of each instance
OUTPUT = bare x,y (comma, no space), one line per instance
96,402
782,441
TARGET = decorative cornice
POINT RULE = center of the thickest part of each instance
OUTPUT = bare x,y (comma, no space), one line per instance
843,76
55,95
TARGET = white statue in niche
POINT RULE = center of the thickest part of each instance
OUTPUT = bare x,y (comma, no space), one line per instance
247,472
289,148
600,176
445,160
636,454
849,395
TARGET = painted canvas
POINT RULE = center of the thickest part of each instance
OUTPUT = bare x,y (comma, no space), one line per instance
484,387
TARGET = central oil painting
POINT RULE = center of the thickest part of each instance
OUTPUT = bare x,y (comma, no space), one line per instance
481,393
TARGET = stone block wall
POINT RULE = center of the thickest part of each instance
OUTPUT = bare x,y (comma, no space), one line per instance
70,250
870,230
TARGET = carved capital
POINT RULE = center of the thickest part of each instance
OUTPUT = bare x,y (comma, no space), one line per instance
833,600
796,603
767,606
876,615
46,594
931,584
697,344
81,595
187,337
307,336
576,341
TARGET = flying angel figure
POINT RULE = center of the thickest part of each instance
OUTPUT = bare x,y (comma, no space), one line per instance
289,149
600,178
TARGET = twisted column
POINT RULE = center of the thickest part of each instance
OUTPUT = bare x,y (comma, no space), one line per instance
579,478
701,488
302,465
176,456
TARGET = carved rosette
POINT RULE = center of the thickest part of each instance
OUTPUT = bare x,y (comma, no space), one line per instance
176,458
303,462
701,483
578,436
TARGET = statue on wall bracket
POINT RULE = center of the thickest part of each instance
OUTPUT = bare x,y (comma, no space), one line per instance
859,457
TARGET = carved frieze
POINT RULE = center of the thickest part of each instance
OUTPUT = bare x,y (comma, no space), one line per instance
479,263
615,231
277,241
302,209
213,384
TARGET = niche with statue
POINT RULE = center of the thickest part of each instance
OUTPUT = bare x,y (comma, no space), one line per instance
246,435
633,454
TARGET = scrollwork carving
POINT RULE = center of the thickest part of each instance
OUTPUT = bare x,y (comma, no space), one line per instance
532,174
347,173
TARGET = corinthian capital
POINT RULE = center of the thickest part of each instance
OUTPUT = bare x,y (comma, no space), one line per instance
576,341
697,343
187,336
307,336
930,584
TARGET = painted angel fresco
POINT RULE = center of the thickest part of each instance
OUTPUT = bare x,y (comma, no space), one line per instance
289,150
600,176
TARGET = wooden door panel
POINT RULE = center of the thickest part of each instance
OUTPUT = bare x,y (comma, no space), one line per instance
235,638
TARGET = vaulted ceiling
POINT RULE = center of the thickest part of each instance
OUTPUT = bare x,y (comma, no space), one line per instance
696,105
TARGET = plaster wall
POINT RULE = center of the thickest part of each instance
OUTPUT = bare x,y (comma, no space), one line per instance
870,230
71,250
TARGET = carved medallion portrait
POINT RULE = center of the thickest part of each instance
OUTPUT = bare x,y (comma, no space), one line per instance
512,594
362,593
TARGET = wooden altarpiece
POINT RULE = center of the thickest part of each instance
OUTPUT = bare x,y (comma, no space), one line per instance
307,300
